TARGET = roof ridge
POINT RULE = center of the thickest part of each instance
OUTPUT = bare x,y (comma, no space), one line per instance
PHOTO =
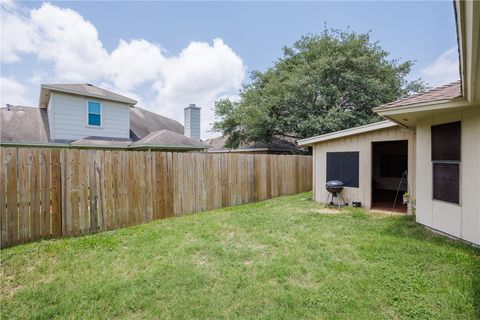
152,135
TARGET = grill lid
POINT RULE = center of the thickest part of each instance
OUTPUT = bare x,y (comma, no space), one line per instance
334,184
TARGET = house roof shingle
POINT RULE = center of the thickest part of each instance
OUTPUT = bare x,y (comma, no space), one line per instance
144,122
20,124
84,89
168,139
445,92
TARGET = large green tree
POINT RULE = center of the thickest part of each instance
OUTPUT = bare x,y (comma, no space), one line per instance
323,83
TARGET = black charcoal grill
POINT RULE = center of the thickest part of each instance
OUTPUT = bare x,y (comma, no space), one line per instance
334,189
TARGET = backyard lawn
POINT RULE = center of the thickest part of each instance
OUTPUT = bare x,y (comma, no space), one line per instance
277,259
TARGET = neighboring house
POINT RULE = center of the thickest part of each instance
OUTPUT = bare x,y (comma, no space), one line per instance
278,145
83,115
433,136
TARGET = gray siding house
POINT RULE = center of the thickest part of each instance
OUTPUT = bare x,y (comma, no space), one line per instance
83,115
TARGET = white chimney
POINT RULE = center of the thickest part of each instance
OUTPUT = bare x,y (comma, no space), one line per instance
192,122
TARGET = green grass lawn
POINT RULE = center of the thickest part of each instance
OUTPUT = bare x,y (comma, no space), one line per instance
277,259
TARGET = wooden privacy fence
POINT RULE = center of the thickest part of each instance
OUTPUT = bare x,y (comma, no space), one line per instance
49,193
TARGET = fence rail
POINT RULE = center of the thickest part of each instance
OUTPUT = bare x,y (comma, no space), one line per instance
49,193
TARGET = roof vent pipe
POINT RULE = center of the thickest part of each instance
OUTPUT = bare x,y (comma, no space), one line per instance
192,122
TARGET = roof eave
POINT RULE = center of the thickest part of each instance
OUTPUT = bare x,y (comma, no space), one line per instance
165,147
308,142
467,15
58,145
43,98
130,102
90,146
251,150
424,106
33,144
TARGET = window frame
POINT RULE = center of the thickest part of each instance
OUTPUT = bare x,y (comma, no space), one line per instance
457,162
88,113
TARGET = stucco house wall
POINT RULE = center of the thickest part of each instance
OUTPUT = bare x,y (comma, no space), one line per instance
363,144
462,220
67,116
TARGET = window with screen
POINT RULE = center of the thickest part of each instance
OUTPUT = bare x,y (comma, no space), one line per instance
446,151
94,117
343,166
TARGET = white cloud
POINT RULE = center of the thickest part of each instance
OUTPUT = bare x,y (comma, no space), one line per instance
16,34
13,92
70,42
200,74
444,69
135,62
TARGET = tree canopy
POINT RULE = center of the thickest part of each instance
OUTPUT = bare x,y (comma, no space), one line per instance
323,83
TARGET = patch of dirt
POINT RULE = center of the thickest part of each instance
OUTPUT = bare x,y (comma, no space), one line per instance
328,211
386,213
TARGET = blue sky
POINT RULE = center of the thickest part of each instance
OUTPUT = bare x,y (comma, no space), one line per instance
164,53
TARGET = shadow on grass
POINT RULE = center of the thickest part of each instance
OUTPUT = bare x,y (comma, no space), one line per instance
407,227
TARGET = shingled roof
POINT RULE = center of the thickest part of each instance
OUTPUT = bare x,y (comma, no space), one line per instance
446,92
94,141
24,124
144,122
83,89
168,140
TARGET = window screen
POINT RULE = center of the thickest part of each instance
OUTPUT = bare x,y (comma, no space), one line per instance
343,166
94,113
446,141
446,181
446,151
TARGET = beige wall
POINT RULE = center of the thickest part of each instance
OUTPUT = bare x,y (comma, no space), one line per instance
462,221
363,144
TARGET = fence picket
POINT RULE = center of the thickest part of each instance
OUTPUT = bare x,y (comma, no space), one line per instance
3,201
12,196
23,166
83,213
75,191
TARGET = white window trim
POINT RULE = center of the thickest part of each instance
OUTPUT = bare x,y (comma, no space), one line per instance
101,115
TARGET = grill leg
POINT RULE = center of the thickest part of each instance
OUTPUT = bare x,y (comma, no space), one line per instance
326,202
343,201
334,195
